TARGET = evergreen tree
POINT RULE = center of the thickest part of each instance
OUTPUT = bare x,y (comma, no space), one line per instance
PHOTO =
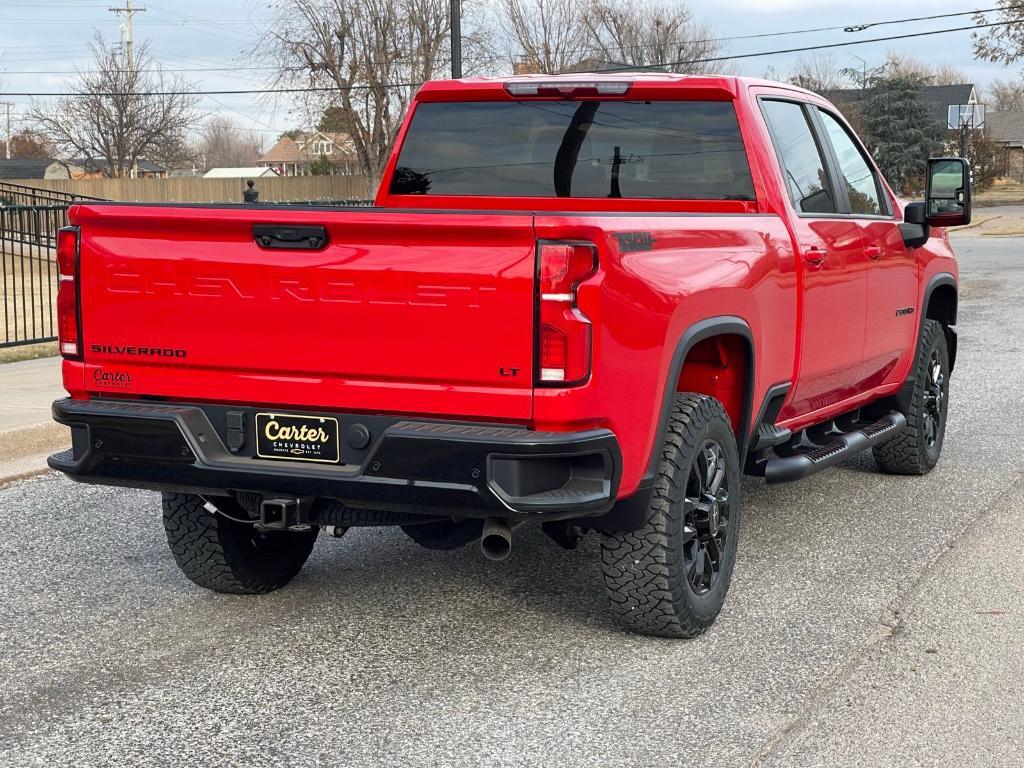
900,132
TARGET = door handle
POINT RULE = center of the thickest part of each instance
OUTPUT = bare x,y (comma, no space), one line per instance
294,238
873,252
815,255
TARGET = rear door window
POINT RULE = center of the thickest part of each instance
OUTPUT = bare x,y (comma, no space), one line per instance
803,163
690,150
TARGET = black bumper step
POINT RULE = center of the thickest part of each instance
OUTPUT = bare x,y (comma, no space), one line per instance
428,467
806,461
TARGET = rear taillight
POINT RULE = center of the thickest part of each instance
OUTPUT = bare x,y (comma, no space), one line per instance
69,333
564,331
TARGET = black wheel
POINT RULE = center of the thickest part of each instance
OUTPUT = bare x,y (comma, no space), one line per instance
670,577
230,556
448,534
916,448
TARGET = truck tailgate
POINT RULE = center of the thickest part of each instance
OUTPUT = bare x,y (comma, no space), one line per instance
418,312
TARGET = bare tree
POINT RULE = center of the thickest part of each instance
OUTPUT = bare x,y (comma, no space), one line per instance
120,111
948,74
652,32
1005,95
365,58
548,33
903,66
223,143
1003,42
818,73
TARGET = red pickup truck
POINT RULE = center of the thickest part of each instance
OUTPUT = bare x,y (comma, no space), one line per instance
589,302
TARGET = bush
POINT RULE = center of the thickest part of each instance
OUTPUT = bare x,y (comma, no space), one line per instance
985,155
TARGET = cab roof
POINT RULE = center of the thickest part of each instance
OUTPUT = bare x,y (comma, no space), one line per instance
640,84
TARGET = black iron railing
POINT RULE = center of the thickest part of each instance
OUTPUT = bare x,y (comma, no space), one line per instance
28,272
14,195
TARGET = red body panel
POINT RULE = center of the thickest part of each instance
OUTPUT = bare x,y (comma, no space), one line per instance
699,267
426,305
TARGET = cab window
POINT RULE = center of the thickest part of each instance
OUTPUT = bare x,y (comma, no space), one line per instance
862,185
802,161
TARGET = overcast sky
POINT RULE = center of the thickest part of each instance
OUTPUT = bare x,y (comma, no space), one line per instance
42,40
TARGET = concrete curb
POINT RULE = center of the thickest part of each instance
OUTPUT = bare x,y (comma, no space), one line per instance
23,450
27,432
23,469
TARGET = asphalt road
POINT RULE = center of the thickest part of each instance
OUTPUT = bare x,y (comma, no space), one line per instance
873,620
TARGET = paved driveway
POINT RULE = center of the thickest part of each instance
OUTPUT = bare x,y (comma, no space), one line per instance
873,621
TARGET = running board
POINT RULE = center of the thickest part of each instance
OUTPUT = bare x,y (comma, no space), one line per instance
841,446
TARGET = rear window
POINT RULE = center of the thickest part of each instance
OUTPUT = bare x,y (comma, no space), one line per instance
688,150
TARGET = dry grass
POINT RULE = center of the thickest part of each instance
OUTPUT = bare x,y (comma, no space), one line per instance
28,293
1002,192
1007,231
28,352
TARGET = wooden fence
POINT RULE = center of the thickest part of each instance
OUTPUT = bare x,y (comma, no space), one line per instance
198,190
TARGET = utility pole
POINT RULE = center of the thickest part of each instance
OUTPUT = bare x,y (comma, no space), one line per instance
864,71
7,105
129,12
966,124
456,14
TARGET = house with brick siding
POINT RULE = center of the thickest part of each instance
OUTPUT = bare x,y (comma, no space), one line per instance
1007,128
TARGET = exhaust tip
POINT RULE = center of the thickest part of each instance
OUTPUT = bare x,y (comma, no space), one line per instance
496,539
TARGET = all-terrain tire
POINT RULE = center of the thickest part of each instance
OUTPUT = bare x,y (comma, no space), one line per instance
230,556
651,574
915,450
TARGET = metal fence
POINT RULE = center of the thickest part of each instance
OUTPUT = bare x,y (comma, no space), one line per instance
14,195
28,272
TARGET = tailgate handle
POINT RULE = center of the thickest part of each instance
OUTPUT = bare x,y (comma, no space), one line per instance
298,238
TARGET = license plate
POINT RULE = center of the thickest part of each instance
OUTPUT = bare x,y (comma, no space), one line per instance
297,438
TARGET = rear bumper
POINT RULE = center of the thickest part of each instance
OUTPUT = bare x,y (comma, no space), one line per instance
430,467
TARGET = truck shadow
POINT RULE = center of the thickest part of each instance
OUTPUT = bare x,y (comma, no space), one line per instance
381,569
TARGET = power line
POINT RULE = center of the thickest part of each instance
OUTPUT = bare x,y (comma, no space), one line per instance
151,71
847,28
843,27
188,19
713,59
656,65
760,35
240,92
862,27
267,127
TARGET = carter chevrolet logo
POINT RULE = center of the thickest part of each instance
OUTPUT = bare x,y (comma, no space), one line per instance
303,434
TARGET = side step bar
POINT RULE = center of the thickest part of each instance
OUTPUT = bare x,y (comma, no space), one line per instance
807,460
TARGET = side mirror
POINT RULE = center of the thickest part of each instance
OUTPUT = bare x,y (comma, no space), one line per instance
948,192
